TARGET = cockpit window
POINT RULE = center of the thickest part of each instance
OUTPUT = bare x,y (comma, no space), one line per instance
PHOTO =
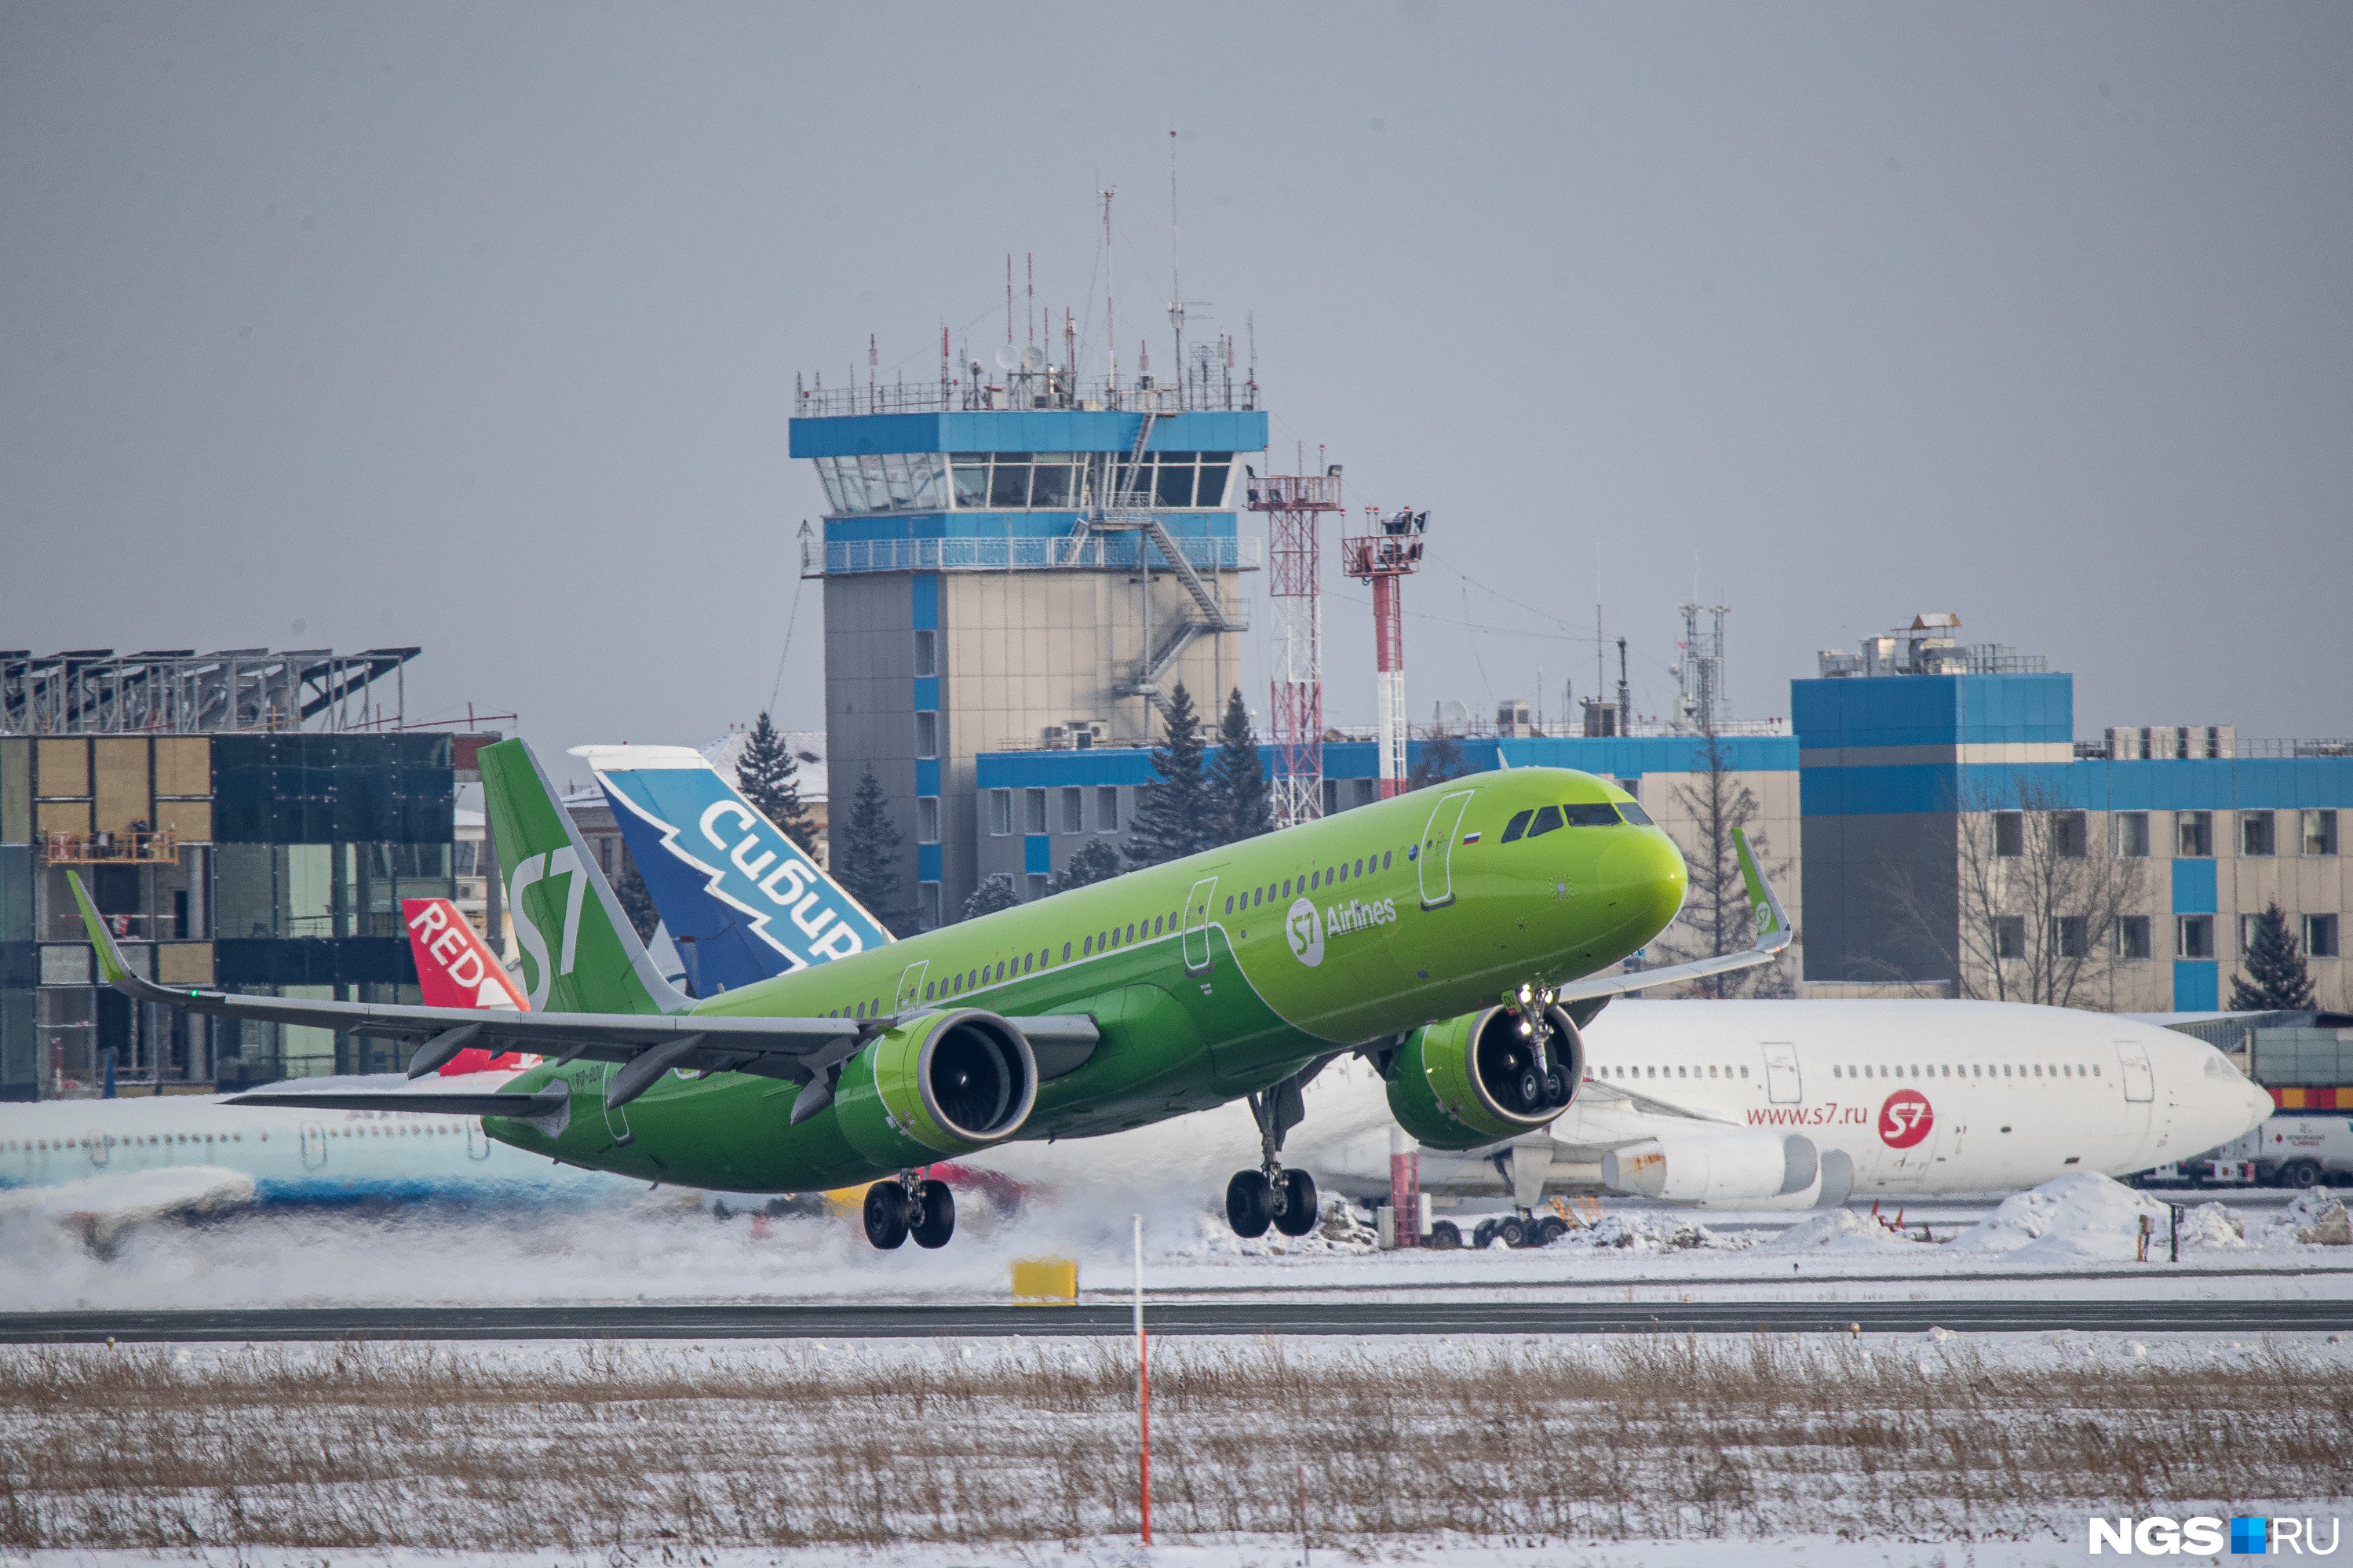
1517,826
1634,814
1546,820
1603,814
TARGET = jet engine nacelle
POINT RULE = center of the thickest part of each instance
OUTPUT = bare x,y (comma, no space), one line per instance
1466,1082
938,1086
1714,1164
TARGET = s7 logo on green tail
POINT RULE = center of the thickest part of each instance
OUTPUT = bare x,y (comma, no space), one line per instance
534,868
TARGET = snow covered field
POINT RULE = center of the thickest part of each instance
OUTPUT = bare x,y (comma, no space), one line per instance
1915,1450
2076,1235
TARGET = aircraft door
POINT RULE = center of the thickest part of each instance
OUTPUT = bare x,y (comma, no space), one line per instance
478,1143
1195,942
97,1144
911,987
2140,1084
1436,851
617,1118
1784,1084
314,1146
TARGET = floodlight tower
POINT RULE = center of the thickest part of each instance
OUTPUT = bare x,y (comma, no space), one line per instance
1295,505
1387,555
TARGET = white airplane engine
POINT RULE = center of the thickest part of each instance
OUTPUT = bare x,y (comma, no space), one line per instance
1714,1164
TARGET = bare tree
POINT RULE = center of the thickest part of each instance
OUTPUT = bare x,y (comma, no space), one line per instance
1717,916
2032,911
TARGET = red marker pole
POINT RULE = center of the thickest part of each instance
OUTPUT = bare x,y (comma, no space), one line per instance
1143,1383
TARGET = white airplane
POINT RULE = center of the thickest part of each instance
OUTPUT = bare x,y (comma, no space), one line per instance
1761,1105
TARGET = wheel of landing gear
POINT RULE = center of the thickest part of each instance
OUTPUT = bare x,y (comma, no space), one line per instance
1298,1215
931,1219
1249,1204
1532,1088
886,1215
1551,1230
1555,1087
1514,1230
1445,1235
1484,1234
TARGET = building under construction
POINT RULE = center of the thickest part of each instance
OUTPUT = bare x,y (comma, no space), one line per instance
1023,562
243,818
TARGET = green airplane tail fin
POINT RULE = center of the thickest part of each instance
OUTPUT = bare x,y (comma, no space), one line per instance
1771,920
580,954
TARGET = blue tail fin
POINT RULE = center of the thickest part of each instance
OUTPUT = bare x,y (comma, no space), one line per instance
741,900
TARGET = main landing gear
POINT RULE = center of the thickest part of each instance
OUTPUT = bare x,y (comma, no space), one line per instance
1271,1195
1517,1230
904,1206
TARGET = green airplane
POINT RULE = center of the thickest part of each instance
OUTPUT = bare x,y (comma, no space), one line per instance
1446,934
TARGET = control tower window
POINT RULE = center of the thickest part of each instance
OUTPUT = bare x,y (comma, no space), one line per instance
971,470
1009,483
1173,486
1055,482
1215,467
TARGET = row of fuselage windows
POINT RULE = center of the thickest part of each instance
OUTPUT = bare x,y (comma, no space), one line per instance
1971,1069
1314,881
1540,820
1916,1070
1021,481
403,1128
1121,936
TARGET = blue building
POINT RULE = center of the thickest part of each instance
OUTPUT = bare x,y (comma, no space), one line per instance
1957,835
1028,565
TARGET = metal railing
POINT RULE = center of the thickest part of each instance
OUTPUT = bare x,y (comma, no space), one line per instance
1024,394
96,848
1122,551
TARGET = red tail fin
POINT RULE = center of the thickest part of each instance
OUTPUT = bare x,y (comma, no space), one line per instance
454,969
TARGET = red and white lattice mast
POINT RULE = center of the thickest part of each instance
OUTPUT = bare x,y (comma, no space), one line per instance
1386,555
1295,505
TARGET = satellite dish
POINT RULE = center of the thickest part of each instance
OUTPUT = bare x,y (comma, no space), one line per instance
1005,358
1033,359
1452,712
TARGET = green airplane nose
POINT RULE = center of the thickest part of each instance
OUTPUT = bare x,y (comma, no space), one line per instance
1645,869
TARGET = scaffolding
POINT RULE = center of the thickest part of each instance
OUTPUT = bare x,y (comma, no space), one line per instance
1295,505
178,691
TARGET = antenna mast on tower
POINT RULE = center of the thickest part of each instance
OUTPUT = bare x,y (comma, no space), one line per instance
1295,505
1390,553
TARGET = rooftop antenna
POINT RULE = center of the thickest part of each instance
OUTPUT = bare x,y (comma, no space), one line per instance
1009,296
1029,304
1176,273
1110,322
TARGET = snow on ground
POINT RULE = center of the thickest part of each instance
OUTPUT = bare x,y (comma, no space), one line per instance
662,1246
1260,1551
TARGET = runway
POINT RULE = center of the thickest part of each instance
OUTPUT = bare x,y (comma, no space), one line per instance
1343,1318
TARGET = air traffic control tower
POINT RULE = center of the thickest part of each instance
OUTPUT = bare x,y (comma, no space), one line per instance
1027,562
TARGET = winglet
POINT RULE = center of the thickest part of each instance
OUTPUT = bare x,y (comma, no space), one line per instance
1773,931
110,965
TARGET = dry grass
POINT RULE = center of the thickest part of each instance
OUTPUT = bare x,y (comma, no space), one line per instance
1640,1438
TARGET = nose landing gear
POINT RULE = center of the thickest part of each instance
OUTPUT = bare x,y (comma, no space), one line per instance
905,1207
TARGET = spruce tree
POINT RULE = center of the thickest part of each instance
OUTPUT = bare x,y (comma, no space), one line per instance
637,902
1094,861
995,892
769,776
1241,806
2277,979
868,863
1173,818
1442,759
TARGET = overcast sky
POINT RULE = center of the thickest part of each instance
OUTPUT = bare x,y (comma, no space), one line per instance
476,328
